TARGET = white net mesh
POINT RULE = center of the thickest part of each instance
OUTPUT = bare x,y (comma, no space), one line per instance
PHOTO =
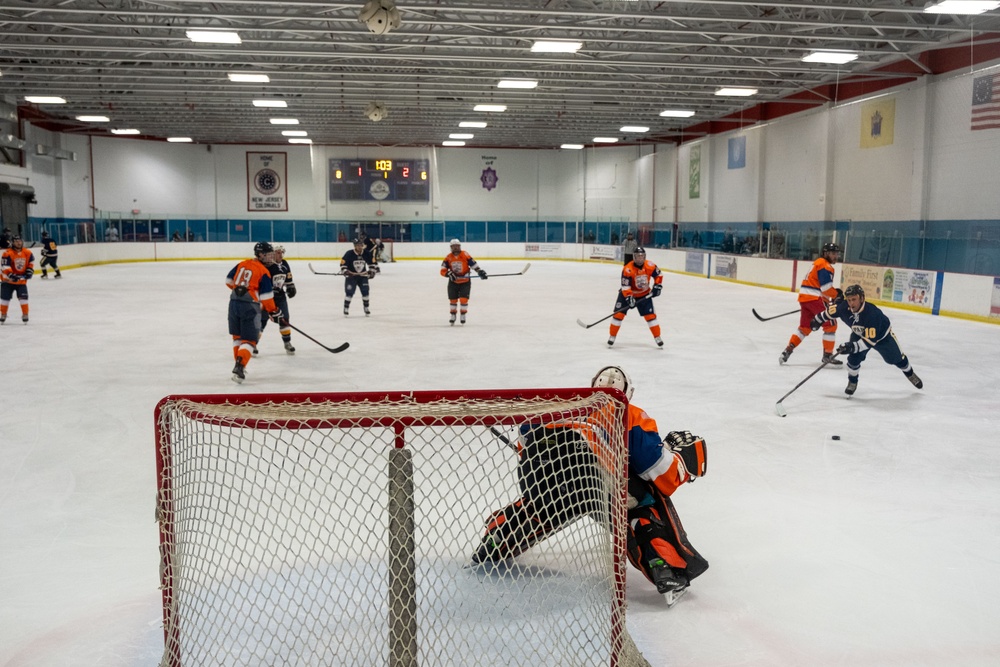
341,530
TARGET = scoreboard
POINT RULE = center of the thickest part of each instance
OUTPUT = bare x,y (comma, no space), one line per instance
362,179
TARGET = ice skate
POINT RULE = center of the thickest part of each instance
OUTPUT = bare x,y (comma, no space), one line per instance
24,318
668,583
830,361
45,275
852,386
785,354
451,320
345,312
659,341
461,320
289,349
58,275
367,312
3,318
254,353
238,373
915,380
611,341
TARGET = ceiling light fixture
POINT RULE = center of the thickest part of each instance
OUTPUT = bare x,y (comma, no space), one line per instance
294,133
961,7
605,140
248,77
214,36
179,140
300,141
472,123
94,119
633,128
461,135
44,99
546,46
129,131
833,57
677,113
277,104
738,91
452,143
284,121
572,147
517,83
496,108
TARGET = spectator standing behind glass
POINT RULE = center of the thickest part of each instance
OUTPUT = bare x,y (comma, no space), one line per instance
177,237
111,234
628,247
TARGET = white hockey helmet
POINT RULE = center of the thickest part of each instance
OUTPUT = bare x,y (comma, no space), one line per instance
454,242
614,378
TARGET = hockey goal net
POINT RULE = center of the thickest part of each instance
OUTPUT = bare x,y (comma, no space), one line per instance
340,529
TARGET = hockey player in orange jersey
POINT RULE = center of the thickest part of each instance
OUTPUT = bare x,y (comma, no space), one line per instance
816,291
457,267
641,283
559,481
17,265
250,282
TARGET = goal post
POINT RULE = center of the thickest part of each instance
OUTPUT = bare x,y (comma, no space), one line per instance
339,529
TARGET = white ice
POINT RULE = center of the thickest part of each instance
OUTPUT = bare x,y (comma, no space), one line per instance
880,549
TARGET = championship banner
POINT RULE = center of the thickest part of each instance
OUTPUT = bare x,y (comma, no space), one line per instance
878,119
267,181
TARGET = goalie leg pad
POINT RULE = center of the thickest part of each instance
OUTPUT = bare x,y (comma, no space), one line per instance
657,532
509,532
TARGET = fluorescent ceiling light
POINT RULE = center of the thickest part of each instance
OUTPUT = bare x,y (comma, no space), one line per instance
249,77
300,141
125,131
461,135
834,57
279,104
214,36
284,121
605,140
94,119
572,147
179,140
472,123
294,133
736,92
517,83
43,99
545,46
633,128
962,7
452,143
677,113
498,108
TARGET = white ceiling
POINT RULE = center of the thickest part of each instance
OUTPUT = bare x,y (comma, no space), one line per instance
130,60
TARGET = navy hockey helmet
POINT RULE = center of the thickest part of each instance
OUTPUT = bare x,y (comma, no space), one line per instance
45,234
831,247
358,241
262,248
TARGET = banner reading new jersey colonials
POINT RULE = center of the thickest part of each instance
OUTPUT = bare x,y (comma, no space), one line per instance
267,181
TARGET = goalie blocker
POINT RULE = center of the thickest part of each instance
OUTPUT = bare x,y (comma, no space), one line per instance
559,477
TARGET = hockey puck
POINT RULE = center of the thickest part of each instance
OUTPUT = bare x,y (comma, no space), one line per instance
835,437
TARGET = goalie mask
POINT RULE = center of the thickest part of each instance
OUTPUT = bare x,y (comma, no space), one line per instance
613,377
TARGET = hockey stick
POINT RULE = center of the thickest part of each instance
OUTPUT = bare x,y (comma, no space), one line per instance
608,317
334,350
780,408
519,273
503,438
321,273
773,317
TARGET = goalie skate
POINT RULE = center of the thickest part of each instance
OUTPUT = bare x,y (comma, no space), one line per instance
671,597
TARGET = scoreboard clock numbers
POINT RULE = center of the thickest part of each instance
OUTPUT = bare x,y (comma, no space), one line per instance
380,179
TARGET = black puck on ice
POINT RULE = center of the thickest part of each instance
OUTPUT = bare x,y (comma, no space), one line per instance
835,437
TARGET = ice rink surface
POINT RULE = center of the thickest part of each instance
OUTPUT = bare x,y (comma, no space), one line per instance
879,549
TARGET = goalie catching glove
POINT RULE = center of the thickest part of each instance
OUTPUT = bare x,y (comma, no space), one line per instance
691,450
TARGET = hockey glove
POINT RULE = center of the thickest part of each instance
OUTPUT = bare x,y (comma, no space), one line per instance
656,290
482,274
450,275
290,290
372,272
28,273
630,302
840,295
691,450
816,322
849,348
276,315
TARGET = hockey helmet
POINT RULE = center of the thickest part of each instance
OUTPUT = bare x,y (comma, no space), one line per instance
262,248
613,377
357,241
455,242
279,248
45,234
855,290
831,247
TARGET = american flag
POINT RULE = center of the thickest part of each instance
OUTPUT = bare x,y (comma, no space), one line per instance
986,102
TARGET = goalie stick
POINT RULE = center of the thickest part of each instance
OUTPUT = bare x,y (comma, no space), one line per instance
608,317
779,408
773,317
334,350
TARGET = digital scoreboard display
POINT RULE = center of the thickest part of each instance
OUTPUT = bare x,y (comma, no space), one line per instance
362,179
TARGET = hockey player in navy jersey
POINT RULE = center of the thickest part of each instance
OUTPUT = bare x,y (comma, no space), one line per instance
359,265
870,330
284,289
